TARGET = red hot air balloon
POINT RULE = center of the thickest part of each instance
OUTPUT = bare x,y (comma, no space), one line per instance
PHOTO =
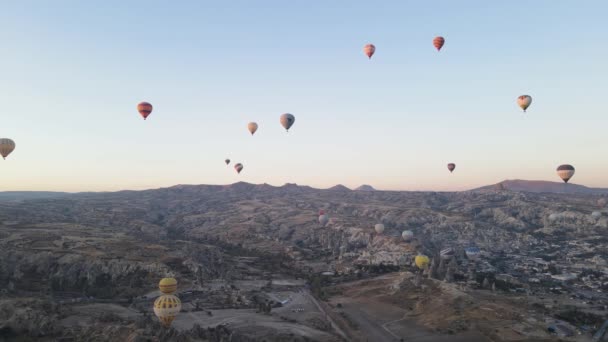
369,50
321,212
451,167
144,109
238,167
438,42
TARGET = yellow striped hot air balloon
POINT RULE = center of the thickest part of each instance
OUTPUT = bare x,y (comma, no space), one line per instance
167,285
166,308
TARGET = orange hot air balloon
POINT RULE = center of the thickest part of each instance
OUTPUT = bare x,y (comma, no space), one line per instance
451,167
369,50
438,42
144,109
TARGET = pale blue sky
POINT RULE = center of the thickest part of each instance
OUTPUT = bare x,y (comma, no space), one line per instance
72,72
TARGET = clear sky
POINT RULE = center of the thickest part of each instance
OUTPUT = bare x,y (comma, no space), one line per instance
72,72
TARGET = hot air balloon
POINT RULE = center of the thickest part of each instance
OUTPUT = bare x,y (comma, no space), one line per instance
321,212
596,214
227,161
451,167
565,172
601,202
422,261
6,147
252,127
287,121
472,253
238,167
524,102
438,42
369,50
167,285
167,306
446,253
144,109
323,220
554,217
407,235
379,228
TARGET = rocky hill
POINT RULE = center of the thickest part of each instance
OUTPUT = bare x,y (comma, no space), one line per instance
217,239
543,186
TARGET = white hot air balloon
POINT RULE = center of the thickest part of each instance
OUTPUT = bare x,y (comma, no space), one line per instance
379,228
596,214
323,220
407,235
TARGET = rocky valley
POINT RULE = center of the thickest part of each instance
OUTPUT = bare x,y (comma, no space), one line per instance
253,263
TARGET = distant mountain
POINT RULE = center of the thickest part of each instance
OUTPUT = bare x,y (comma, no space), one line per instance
542,186
26,195
365,187
339,187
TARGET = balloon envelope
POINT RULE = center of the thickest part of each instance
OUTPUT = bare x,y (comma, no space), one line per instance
238,167
407,235
472,253
446,253
167,285
438,42
369,50
565,172
451,167
166,308
596,214
7,146
227,161
601,202
524,102
323,219
422,261
287,121
252,127
144,109
379,228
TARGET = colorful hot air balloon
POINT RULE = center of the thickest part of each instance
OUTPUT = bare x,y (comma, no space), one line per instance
238,167
565,172
167,285
451,167
379,228
144,109
524,102
167,306
287,121
323,220
422,261
446,253
369,50
227,161
252,127
472,253
6,147
407,235
438,42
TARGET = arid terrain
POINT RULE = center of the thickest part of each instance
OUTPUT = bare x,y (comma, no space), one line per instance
254,264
